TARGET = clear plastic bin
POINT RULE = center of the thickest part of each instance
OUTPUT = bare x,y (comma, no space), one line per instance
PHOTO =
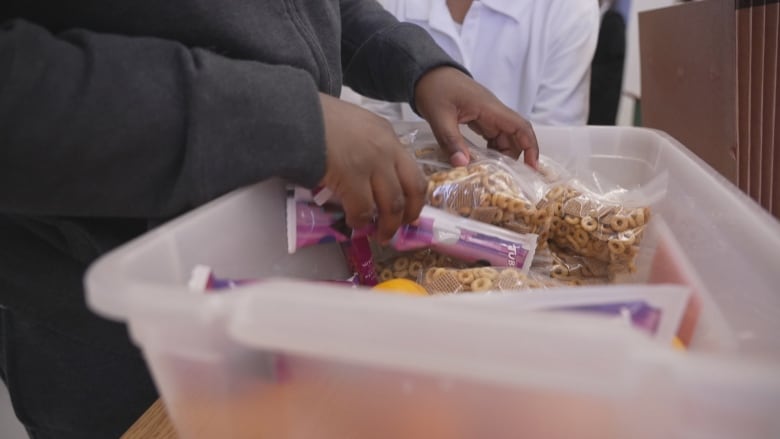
287,359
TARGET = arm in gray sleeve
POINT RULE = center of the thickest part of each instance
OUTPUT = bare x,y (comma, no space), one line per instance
103,125
383,58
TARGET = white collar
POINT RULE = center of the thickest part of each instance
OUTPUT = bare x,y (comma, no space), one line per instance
435,10
511,8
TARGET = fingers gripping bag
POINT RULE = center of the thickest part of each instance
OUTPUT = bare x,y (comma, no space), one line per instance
494,189
459,238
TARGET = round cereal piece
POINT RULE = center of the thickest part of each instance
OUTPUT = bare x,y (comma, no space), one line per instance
487,272
499,199
557,209
458,173
520,206
439,177
559,271
436,273
476,168
619,223
564,229
498,216
555,223
437,199
589,224
510,273
401,264
571,219
431,187
533,285
504,201
443,261
631,222
485,199
466,277
386,274
582,237
464,211
430,260
415,268
481,284
488,182
628,238
616,247
420,254
401,274
555,193
639,217
541,216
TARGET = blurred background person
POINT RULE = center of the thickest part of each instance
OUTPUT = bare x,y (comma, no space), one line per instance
534,55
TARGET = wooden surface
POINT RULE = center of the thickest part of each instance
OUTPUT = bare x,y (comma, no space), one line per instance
154,424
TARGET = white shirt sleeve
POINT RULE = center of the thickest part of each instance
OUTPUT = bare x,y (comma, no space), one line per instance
564,92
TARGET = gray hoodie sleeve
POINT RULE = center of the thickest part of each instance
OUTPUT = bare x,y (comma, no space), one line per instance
383,58
103,125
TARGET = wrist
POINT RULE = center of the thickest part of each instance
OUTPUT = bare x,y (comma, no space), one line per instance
432,76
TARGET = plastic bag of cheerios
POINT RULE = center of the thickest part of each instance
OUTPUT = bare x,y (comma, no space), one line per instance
411,265
491,192
421,143
445,280
599,231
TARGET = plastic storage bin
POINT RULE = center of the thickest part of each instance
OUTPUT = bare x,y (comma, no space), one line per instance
294,360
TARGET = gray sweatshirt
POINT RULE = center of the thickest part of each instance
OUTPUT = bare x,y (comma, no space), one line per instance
115,115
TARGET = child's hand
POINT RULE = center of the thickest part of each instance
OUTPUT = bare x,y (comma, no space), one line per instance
369,170
446,97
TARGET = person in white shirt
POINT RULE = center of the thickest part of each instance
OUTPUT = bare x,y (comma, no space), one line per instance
534,55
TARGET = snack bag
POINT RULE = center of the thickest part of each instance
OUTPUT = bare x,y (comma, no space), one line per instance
576,269
600,233
445,280
490,192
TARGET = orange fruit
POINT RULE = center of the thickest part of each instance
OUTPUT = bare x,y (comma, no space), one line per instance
401,286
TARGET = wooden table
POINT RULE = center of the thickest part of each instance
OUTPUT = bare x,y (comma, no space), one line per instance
154,424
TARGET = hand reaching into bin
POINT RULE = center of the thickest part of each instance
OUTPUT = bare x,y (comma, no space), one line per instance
369,170
446,97
372,175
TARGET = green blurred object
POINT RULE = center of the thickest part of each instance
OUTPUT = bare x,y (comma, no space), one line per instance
637,112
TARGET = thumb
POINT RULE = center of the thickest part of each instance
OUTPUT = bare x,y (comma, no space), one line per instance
445,128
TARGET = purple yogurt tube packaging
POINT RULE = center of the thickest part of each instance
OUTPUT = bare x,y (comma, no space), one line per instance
203,280
639,314
464,239
461,238
360,258
309,224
